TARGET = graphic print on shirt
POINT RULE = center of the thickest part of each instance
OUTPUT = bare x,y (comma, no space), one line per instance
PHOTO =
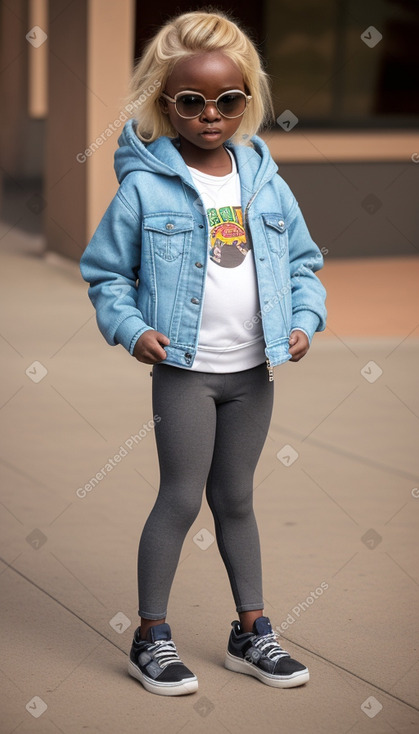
228,246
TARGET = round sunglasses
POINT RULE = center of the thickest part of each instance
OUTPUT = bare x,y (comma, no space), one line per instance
190,104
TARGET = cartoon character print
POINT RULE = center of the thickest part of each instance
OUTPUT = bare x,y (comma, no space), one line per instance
228,246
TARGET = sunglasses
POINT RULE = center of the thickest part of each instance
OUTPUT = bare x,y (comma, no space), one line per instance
192,104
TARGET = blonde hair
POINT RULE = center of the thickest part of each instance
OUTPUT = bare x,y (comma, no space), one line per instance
186,35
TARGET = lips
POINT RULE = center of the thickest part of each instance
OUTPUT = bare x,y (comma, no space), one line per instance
209,132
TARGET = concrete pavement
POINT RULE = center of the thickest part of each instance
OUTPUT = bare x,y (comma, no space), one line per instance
336,497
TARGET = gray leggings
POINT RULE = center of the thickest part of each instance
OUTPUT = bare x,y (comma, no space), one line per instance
212,431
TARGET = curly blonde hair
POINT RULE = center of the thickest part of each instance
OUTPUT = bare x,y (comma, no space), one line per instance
186,35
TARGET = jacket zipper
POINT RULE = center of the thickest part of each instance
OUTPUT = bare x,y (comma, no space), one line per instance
268,364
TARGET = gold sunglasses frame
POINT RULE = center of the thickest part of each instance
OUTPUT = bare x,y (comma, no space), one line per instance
173,100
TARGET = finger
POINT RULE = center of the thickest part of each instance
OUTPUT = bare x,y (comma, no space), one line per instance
294,348
151,352
162,338
157,354
299,354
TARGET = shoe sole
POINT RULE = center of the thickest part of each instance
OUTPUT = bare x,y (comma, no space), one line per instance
238,665
179,688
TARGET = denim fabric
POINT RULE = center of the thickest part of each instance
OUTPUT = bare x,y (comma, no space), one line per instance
146,262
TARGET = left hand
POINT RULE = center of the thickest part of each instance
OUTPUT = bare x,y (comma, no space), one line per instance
299,345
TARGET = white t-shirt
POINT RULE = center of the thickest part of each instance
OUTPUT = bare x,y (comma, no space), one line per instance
231,296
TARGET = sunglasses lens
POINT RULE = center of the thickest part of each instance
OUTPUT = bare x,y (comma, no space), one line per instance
190,105
232,104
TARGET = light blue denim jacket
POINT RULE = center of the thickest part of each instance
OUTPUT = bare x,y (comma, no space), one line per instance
147,260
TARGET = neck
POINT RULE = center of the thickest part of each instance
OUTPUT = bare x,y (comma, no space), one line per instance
215,161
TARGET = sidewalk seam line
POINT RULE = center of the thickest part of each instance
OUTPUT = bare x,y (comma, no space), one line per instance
311,652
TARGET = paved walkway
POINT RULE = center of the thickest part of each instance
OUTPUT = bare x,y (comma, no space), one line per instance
336,496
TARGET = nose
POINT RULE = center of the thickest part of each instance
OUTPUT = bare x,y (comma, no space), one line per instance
210,112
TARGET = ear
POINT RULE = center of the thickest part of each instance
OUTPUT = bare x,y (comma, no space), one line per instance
163,105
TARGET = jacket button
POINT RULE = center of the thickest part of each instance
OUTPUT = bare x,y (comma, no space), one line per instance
169,225
194,300
188,356
281,223
198,265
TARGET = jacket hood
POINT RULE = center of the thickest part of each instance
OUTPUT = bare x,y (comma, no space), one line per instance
162,156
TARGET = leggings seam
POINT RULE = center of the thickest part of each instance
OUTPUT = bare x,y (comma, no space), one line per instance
224,553
225,556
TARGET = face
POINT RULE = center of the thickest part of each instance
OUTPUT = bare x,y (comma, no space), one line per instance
211,74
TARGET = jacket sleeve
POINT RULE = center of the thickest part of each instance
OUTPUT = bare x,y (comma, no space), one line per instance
308,294
110,264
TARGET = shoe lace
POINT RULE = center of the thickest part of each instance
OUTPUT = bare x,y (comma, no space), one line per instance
268,644
164,651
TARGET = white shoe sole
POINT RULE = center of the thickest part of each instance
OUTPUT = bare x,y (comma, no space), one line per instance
180,688
239,665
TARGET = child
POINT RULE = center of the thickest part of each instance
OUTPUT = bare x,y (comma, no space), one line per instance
203,267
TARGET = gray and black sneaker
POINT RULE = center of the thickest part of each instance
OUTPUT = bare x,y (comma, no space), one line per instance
157,665
258,653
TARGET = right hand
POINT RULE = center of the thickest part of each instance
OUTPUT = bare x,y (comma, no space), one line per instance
149,347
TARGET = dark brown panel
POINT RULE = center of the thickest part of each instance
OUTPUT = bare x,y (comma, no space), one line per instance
150,17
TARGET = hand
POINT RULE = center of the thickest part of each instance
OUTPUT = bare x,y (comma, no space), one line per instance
299,345
148,348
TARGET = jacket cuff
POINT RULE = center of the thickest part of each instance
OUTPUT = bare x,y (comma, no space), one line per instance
306,321
129,331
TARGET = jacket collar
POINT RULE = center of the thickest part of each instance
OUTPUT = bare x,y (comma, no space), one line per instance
254,163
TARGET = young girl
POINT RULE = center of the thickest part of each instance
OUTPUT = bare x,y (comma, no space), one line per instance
203,267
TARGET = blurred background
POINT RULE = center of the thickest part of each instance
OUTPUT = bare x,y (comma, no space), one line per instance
345,82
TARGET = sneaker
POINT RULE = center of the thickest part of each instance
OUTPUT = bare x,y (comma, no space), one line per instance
259,654
157,665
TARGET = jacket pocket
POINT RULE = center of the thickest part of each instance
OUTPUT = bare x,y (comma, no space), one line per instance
168,233
276,233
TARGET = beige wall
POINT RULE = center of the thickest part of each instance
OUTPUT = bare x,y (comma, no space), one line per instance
110,58
38,62
90,60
